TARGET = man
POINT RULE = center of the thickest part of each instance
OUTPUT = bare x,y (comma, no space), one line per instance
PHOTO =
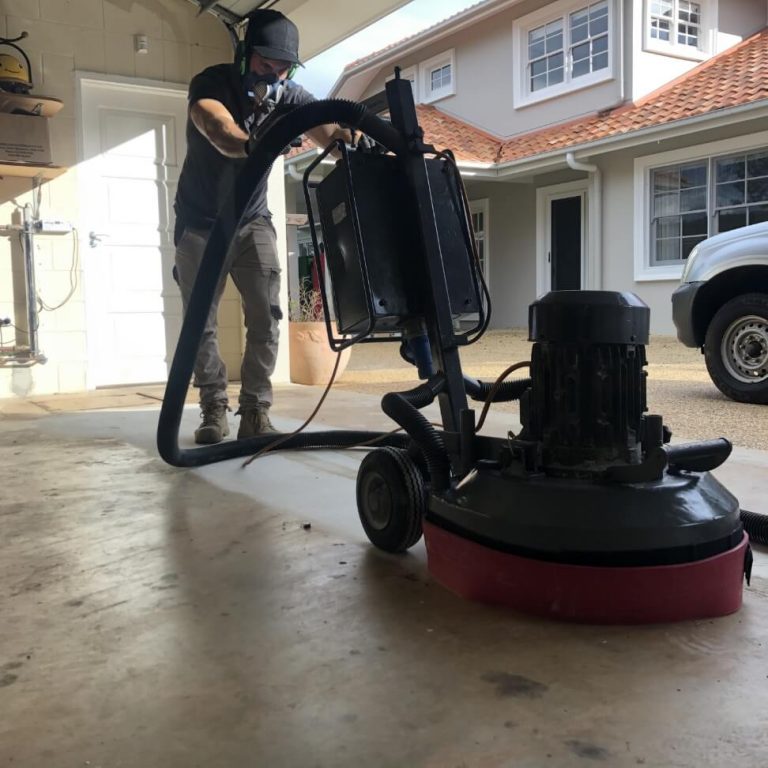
223,108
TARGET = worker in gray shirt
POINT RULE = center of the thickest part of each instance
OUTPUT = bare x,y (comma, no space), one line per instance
226,102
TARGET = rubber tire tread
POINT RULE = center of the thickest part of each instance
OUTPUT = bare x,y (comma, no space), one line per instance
402,469
740,306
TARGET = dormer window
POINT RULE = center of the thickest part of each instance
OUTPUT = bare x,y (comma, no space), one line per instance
678,27
437,77
677,21
440,78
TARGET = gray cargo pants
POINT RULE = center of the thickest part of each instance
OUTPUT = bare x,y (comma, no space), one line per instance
252,262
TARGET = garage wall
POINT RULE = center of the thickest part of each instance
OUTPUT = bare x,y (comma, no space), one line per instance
66,36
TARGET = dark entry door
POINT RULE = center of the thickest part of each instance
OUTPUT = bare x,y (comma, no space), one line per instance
565,243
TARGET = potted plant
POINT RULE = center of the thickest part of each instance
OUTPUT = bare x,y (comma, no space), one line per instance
311,357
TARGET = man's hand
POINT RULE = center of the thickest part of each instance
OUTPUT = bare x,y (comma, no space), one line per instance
323,135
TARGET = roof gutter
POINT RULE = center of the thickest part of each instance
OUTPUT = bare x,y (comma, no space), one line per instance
653,133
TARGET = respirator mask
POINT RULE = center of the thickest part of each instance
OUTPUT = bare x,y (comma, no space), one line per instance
265,91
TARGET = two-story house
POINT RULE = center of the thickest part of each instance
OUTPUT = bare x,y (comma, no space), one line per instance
599,141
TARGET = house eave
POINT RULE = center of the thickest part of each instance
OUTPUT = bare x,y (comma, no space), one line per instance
452,25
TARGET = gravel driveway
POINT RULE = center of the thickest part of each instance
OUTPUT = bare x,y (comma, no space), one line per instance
678,385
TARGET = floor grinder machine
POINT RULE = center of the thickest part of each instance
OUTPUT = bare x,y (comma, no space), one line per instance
588,513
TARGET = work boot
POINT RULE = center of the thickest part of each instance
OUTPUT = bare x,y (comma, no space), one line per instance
214,427
254,420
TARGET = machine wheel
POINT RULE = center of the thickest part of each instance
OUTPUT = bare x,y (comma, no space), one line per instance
391,499
736,348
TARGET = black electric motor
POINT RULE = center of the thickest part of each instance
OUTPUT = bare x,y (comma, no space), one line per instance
588,397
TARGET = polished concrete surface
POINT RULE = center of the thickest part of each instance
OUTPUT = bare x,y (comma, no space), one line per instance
229,616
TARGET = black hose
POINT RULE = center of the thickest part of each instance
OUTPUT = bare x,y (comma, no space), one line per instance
508,390
273,141
756,526
402,408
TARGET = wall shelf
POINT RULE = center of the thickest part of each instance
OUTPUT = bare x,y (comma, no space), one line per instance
22,170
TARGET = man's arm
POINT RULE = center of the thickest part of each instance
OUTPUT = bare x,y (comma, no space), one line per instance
215,122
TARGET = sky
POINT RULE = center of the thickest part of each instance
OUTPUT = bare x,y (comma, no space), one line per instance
322,71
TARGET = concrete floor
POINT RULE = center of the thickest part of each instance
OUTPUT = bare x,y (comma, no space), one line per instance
156,617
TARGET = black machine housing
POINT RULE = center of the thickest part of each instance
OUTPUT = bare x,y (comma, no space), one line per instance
371,245
591,477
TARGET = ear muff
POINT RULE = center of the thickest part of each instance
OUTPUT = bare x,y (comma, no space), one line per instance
292,71
240,58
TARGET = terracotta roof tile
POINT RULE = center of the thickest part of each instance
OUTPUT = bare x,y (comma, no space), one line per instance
445,132
467,142
735,77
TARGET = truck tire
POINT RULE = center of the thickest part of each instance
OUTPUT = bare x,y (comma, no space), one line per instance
736,348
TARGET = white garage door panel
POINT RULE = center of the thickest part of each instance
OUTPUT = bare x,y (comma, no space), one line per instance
139,335
136,201
136,272
133,147
126,134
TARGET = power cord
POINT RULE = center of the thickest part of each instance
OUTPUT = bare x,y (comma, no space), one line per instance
73,270
495,388
283,438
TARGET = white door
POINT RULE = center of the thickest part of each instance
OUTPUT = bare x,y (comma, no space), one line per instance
563,237
133,147
479,211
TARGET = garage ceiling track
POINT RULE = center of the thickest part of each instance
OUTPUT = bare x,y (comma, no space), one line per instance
322,23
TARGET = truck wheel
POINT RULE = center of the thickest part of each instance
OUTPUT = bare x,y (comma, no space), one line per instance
736,348
391,499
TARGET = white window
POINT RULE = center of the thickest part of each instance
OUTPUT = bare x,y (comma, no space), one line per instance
479,213
677,27
721,187
678,211
437,77
696,200
563,48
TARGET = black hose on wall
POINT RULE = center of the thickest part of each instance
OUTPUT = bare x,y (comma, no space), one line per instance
258,165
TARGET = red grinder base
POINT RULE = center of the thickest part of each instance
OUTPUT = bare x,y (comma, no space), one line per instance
595,595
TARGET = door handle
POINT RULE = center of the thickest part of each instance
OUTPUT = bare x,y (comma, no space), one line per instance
94,238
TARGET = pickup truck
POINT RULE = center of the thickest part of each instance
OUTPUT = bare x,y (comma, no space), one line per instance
721,306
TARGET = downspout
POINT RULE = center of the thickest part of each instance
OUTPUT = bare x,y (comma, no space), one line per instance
596,204
595,215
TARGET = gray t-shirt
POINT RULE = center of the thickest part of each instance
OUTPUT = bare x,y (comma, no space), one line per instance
207,176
